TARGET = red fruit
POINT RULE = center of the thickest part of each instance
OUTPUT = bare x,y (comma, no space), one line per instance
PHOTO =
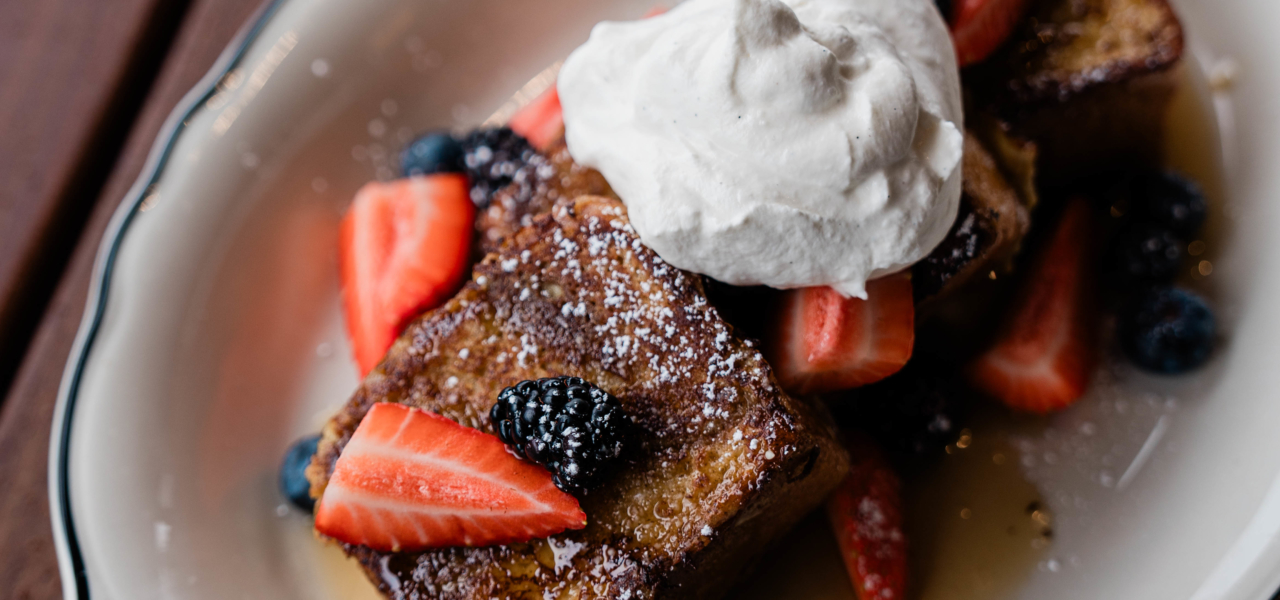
1044,354
866,516
410,480
541,121
978,27
826,342
403,249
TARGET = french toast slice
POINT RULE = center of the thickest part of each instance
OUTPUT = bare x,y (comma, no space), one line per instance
1089,81
988,231
724,461
551,176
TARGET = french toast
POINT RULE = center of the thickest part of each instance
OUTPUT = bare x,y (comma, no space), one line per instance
1088,80
724,461
987,233
550,176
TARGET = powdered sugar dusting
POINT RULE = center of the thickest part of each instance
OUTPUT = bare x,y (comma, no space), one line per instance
577,294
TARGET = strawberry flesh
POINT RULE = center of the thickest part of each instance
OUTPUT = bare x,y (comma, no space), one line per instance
404,249
979,27
411,480
541,121
1044,354
825,342
866,516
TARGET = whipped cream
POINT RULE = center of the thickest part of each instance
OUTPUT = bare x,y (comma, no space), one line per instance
789,144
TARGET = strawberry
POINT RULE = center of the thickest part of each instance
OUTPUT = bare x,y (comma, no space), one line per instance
541,121
410,480
866,516
403,249
978,27
1044,353
825,342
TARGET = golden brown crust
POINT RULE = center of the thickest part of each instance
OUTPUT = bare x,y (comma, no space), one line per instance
988,231
1088,80
725,461
551,177
1068,47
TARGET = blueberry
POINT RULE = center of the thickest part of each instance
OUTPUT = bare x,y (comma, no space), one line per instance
432,153
1167,330
293,478
1171,200
1147,253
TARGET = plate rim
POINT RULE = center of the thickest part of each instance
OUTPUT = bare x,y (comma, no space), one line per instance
71,565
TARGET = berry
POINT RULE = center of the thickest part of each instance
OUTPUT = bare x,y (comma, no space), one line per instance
432,153
1044,354
492,158
866,514
573,428
403,249
944,7
825,342
1173,201
915,412
293,476
410,480
979,27
1167,330
1148,253
541,121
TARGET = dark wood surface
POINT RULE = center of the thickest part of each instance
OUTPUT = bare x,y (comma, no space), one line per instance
64,65
72,75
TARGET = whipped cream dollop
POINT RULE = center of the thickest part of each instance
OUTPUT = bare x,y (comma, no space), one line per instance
789,144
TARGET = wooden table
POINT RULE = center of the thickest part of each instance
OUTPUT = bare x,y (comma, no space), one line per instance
84,88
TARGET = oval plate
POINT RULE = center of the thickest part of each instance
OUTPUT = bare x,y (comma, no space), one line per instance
213,338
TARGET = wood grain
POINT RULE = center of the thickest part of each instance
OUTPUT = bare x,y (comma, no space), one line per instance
28,566
73,75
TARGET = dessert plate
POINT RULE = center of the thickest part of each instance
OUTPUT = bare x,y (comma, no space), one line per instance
212,337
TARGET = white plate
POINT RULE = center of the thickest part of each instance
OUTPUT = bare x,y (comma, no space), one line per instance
213,337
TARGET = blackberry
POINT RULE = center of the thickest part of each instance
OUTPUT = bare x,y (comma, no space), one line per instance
914,412
1173,201
573,428
1147,253
293,477
1159,198
1167,330
436,152
492,158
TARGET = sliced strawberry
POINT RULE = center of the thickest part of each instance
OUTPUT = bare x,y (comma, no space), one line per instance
410,480
825,342
1044,354
403,249
541,121
866,516
978,27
